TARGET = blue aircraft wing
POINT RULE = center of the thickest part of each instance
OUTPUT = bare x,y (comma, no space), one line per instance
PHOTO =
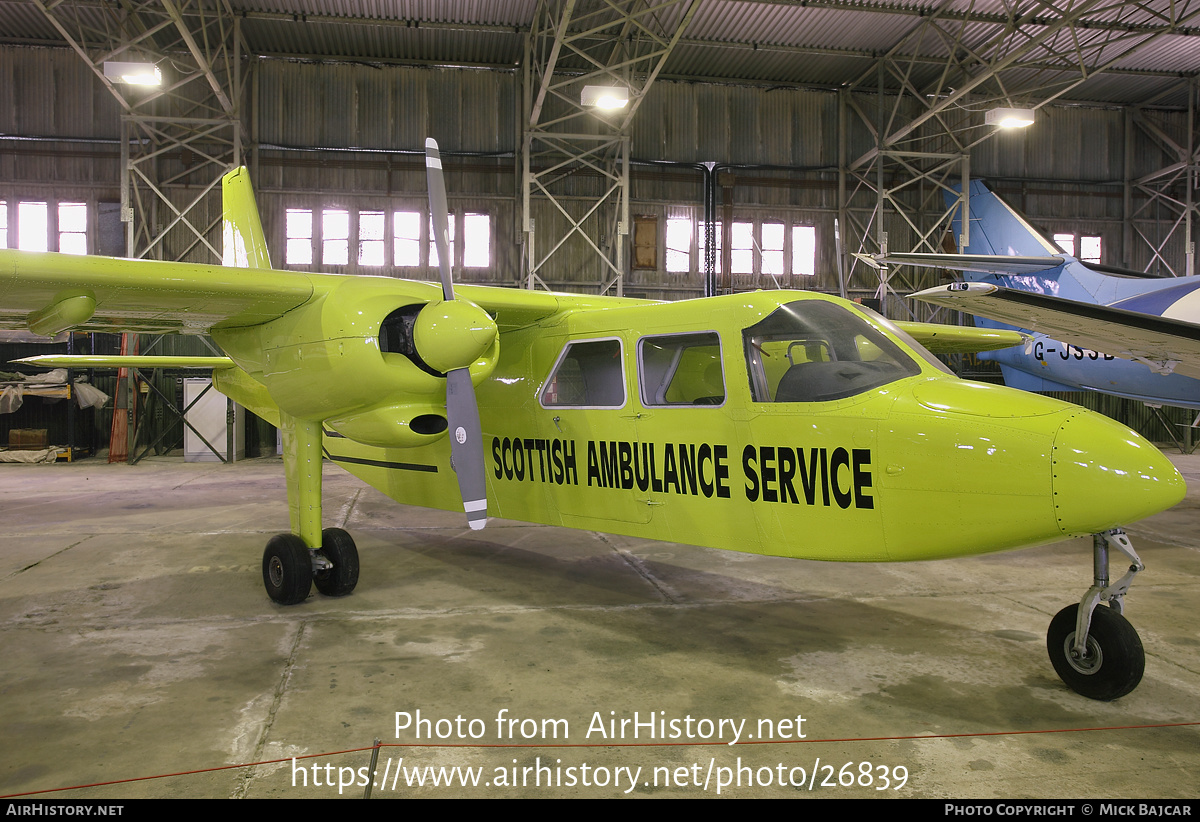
1165,345
990,263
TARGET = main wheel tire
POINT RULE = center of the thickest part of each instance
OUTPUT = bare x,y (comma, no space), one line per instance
1113,663
287,569
338,547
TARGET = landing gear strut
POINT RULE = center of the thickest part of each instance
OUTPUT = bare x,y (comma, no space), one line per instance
293,562
1095,651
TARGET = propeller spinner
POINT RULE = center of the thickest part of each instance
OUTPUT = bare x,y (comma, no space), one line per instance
466,331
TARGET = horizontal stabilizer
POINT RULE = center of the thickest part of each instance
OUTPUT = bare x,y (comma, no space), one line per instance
989,263
1164,345
92,361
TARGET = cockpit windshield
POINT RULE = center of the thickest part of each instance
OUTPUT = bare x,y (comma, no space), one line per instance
815,351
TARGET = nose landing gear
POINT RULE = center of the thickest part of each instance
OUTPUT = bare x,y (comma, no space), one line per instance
1095,651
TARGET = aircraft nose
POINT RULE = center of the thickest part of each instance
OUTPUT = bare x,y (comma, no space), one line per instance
1105,475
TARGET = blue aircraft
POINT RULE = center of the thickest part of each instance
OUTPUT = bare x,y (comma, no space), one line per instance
1093,327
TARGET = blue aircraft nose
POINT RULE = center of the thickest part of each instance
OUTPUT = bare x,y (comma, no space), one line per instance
1105,475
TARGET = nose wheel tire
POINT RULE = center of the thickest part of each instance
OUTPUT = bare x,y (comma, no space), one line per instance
1113,662
287,569
338,547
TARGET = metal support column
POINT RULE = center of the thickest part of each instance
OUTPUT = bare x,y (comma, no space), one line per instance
575,158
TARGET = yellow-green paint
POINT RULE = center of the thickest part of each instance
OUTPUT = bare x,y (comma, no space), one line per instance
932,466
128,361
65,312
302,469
921,465
961,339
244,245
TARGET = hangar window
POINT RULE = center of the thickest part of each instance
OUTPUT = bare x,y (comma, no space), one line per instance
406,238
370,238
72,228
777,249
477,240
804,250
299,249
32,227
376,238
42,226
772,249
741,249
1088,250
679,245
681,369
588,375
335,237
815,351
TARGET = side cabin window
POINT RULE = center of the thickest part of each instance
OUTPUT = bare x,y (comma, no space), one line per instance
588,375
681,369
815,351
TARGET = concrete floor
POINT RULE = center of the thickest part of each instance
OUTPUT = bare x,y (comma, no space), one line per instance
137,641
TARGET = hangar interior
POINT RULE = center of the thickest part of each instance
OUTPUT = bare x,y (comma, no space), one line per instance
764,143
753,129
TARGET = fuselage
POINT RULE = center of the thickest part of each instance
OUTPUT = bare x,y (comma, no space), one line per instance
1052,365
783,423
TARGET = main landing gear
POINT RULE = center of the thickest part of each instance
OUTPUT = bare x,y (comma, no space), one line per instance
1095,650
293,563
291,568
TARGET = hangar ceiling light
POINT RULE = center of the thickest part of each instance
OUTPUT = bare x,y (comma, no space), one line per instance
1009,117
605,96
134,74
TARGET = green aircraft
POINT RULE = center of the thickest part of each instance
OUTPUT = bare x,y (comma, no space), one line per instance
786,423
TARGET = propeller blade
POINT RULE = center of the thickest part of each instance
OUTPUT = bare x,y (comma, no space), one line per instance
462,411
438,210
466,445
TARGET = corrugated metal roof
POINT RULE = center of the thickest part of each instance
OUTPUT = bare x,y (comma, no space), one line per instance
815,42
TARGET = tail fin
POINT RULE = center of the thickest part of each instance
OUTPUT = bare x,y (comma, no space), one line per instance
245,244
997,228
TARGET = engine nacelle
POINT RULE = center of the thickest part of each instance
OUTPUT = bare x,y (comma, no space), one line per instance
349,358
393,426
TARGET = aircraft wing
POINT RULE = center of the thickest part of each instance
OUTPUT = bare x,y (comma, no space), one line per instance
51,292
1164,345
991,263
960,339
